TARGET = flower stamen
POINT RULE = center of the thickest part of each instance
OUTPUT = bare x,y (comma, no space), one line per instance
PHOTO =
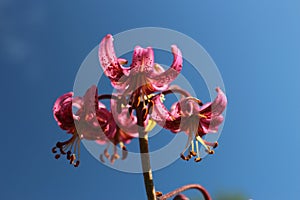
192,151
115,156
207,148
198,159
66,148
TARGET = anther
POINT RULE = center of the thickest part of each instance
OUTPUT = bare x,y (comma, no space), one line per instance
116,156
124,151
106,154
197,159
158,194
62,151
72,158
68,155
193,153
101,158
59,144
209,151
216,145
57,156
54,150
77,163
183,157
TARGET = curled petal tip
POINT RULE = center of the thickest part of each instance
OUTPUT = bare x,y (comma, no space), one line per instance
174,48
108,36
176,51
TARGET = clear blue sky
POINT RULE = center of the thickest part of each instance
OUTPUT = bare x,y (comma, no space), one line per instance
255,44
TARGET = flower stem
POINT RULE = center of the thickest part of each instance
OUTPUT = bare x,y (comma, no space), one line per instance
145,158
147,172
187,187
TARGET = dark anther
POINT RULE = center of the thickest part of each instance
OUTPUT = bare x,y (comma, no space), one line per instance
216,145
197,159
72,158
57,156
101,158
54,150
62,151
210,151
59,144
158,194
77,163
124,153
193,153
183,157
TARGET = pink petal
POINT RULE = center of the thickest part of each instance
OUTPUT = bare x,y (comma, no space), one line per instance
124,120
217,106
163,117
142,61
162,81
110,63
210,125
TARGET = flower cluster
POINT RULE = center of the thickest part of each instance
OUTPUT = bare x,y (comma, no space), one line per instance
138,103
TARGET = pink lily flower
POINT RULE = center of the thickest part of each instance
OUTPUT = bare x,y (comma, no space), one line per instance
92,121
143,73
192,117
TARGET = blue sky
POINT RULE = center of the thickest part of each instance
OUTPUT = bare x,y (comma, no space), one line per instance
255,44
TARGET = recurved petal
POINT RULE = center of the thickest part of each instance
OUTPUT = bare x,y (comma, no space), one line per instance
90,100
109,61
217,106
161,81
163,117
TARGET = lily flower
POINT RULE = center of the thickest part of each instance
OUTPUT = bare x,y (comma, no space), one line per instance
92,121
192,117
143,77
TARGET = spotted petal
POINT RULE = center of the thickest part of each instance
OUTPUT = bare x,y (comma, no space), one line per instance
142,60
161,81
163,117
111,64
